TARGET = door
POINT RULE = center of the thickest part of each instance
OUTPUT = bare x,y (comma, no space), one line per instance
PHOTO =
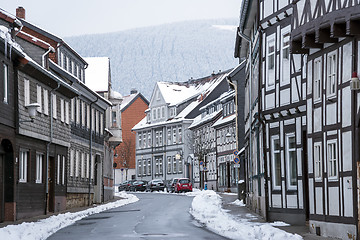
51,185
306,175
1,188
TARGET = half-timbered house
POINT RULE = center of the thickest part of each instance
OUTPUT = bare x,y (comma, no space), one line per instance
326,33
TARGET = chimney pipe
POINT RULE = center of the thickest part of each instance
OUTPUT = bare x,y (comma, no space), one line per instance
20,12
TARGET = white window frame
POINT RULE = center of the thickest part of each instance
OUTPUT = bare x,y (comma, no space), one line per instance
273,154
82,165
77,110
289,169
72,162
23,163
285,38
139,140
144,167
58,168
83,113
88,116
174,168
62,110
63,170
169,136
46,101
331,76
174,135
101,124
77,163
6,83
73,109
139,167
271,42
39,167
87,159
38,98
149,167
180,135
317,89
54,109
97,122
26,92
169,165
332,160
67,120
317,161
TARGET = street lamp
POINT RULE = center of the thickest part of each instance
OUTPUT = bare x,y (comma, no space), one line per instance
32,107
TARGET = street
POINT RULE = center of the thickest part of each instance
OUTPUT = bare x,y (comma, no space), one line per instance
154,216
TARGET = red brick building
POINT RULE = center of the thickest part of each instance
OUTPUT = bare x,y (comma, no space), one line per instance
132,111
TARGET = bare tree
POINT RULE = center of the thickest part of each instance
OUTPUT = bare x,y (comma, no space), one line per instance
125,153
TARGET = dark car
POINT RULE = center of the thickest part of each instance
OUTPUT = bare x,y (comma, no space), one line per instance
139,185
183,185
155,185
171,184
125,186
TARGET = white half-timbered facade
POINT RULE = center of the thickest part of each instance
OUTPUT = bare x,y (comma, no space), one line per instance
327,33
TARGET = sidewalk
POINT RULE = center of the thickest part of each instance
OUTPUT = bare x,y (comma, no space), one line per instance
244,213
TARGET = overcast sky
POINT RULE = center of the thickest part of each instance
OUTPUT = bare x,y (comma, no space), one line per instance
76,17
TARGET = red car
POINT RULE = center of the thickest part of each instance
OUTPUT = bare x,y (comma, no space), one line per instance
183,185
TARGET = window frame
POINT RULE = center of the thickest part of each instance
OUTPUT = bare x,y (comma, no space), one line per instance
289,165
331,74
270,41
24,156
317,77
284,32
318,161
333,174
273,163
39,167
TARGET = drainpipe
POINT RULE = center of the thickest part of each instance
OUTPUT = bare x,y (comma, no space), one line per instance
51,49
89,195
48,147
246,38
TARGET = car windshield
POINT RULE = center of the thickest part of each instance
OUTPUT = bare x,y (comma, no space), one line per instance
157,181
184,181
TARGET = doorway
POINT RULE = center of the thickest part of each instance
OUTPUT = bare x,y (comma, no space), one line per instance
305,175
2,188
51,185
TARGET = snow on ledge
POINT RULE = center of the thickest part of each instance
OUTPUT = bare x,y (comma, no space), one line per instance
42,229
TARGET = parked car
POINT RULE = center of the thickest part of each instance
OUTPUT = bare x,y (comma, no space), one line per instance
183,185
139,185
125,186
171,184
155,185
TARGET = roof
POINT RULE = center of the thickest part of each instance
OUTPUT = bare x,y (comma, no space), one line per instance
97,73
202,120
224,120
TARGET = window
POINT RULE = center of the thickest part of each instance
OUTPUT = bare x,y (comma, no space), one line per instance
113,117
26,92
160,166
285,57
38,98
139,145
149,139
88,116
67,113
39,164
174,135
72,109
169,136
317,161
144,168
87,165
149,167
93,119
92,166
77,163
139,168
156,166
271,61
72,161
158,112
46,102
101,124
291,161
154,114
332,160
317,79
160,138
82,165
162,112
144,139
97,122
63,171
276,162
156,138
180,135
62,110
169,165
58,168
331,74
24,156
174,165
54,110
180,165
82,113
78,111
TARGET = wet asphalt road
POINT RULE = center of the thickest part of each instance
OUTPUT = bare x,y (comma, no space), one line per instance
154,216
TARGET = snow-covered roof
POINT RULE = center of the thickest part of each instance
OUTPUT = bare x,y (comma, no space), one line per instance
127,99
115,94
201,120
177,92
224,120
97,73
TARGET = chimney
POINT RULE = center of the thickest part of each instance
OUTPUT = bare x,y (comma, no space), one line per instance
20,12
133,91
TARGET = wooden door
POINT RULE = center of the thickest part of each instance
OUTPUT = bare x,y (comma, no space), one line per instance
2,187
51,185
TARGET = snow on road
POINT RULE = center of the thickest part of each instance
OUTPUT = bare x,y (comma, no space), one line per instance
206,208
42,229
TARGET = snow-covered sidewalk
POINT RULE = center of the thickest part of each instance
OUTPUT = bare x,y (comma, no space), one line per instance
42,229
207,209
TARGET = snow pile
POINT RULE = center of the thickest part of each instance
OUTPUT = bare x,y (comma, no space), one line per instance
206,208
238,202
42,229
